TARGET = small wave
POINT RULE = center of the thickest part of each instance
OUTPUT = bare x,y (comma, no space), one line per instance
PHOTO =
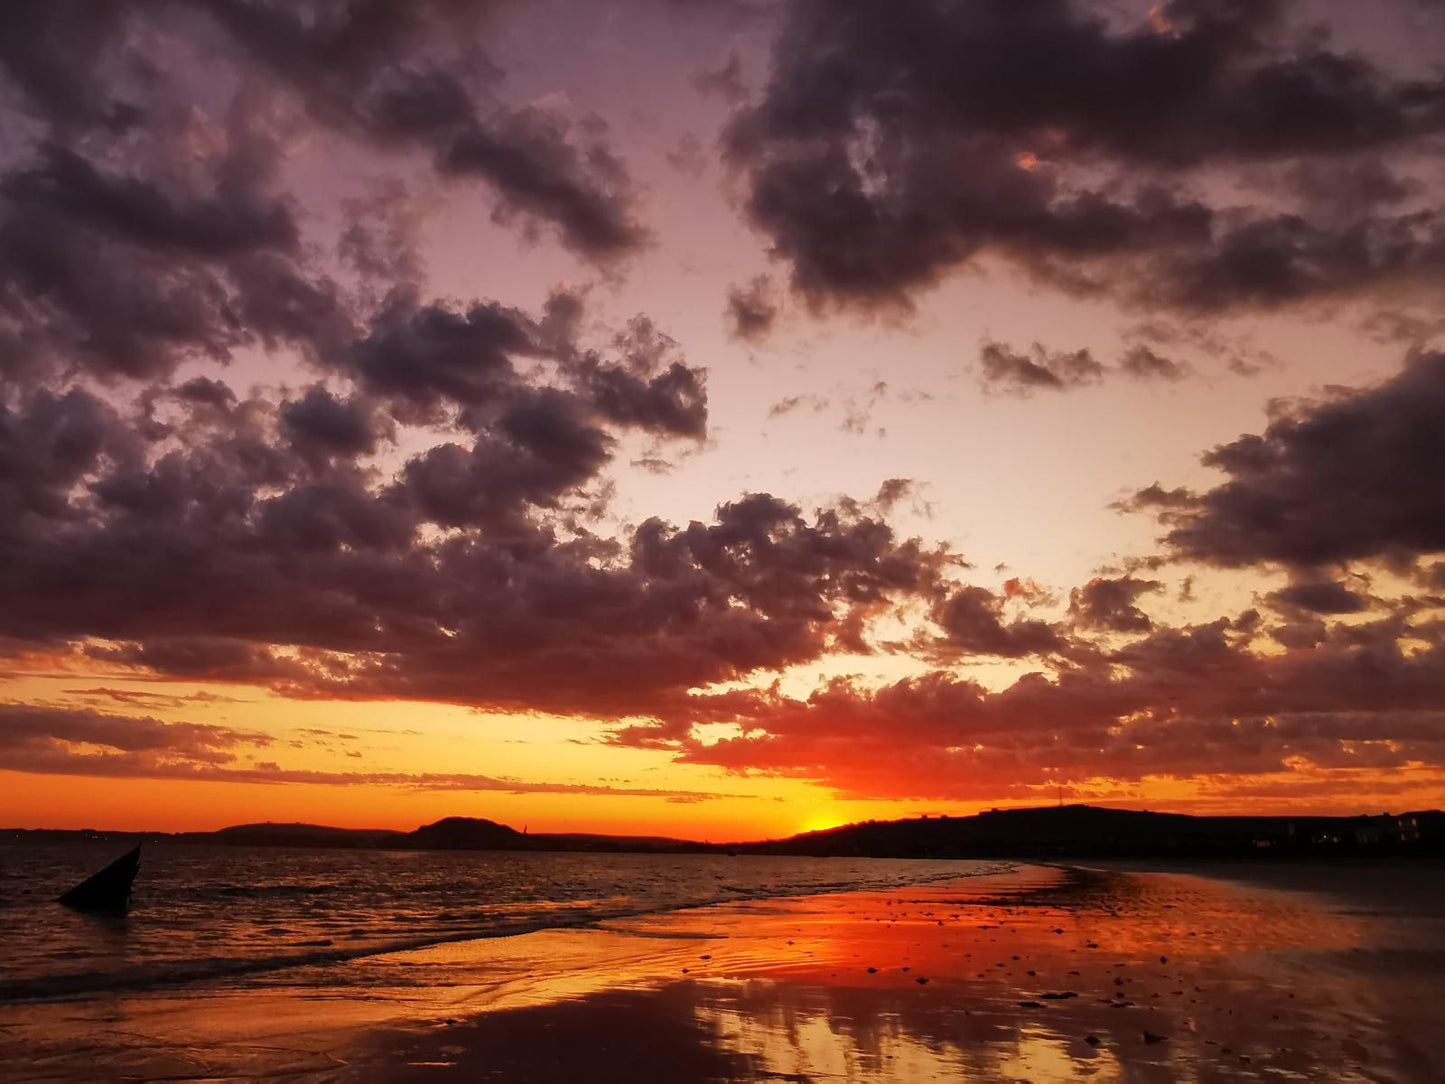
323,952
179,972
254,892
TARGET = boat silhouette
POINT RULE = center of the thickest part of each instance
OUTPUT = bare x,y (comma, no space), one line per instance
107,891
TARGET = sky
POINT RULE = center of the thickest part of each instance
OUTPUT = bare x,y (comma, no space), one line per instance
719,418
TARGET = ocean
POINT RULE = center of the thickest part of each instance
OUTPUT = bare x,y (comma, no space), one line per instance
231,914
353,965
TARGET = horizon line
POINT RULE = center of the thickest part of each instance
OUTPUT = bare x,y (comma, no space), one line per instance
708,842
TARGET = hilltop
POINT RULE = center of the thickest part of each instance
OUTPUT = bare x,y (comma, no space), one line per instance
447,834
1094,831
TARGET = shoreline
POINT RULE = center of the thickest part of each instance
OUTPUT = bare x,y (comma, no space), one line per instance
179,974
1009,974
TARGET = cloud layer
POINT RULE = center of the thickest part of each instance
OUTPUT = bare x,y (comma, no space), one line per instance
1204,158
423,508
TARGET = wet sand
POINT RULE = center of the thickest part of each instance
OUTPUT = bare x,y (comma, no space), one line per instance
1044,974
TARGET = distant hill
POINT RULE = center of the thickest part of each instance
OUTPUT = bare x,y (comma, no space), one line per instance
447,834
464,834
1093,831
1054,832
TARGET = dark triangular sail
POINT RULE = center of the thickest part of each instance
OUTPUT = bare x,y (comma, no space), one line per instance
108,890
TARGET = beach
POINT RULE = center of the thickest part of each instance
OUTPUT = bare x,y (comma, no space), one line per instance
1039,973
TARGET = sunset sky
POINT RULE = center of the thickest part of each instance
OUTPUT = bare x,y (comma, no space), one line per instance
719,418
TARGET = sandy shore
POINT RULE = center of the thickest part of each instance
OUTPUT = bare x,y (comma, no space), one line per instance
1040,975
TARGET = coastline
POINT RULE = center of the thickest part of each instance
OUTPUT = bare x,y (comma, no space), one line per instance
1004,977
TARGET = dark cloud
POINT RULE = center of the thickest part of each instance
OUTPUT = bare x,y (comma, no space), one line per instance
894,144
973,622
1014,373
404,76
1112,604
204,391
1320,597
130,262
231,219
671,403
427,359
199,658
648,386
185,531
1155,497
426,355
53,51
321,426
226,556
1197,336
143,698
28,726
529,157
1351,477
1305,633
894,490
542,627
202,543
787,405
1142,363
126,274
1283,258
49,443
541,450
753,309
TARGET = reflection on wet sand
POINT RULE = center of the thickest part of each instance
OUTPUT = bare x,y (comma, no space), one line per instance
1105,976
1039,976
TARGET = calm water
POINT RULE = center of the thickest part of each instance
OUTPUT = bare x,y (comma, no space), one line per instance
213,912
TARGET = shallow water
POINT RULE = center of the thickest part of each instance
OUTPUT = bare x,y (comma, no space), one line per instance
1037,974
208,913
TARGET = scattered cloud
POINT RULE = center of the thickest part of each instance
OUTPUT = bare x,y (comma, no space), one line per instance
753,310
1014,373
86,743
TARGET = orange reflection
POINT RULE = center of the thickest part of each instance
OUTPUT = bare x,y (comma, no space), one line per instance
1029,975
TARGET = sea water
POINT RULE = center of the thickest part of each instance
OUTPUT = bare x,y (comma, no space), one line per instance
222,912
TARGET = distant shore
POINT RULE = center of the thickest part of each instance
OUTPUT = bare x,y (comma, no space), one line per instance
1072,832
